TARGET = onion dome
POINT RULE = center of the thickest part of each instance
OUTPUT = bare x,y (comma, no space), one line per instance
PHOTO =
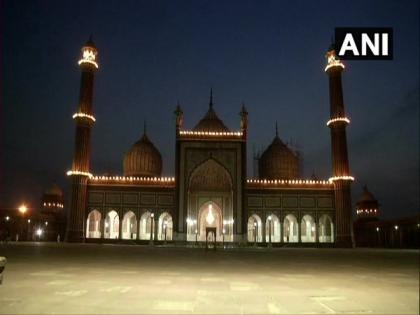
54,190
367,207
143,159
278,161
211,122
53,199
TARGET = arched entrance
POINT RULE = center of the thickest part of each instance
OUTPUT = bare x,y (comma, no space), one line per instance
326,229
254,229
165,227
93,224
129,226
112,225
210,216
307,229
274,229
290,229
210,202
147,226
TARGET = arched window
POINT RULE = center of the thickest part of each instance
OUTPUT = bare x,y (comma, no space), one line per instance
326,229
272,226
254,229
112,225
290,229
129,226
307,229
147,226
93,224
165,227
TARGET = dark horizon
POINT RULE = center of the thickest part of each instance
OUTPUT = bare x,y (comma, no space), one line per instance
269,55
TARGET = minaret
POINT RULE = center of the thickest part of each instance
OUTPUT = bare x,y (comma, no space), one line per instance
84,120
340,162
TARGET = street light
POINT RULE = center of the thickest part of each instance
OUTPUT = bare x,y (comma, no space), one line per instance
7,218
255,232
152,215
23,208
39,233
223,237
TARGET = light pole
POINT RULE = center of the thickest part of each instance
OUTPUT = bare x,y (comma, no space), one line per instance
196,237
223,237
22,209
151,227
255,232
269,230
164,228
29,226
39,233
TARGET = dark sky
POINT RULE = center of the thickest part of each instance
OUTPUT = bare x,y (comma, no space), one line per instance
269,54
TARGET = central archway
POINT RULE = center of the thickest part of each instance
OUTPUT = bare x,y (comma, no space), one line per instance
210,202
210,216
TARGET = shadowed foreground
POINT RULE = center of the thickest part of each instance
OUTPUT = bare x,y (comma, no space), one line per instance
110,279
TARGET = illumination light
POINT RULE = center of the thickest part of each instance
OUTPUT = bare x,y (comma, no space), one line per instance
129,179
377,229
396,227
333,61
210,216
269,218
334,178
83,115
338,119
301,182
7,218
39,232
88,56
71,173
29,220
23,208
211,133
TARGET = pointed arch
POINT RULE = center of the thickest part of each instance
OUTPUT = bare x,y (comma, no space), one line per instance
290,229
308,229
112,225
93,224
129,226
254,229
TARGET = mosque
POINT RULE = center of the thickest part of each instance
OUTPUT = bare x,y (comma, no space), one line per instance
210,197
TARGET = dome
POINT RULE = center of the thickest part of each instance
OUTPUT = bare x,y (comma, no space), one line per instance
278,161
54,190
143,159
367,206
211,122
366,196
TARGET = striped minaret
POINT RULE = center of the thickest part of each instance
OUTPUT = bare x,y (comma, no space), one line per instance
340,162
84,120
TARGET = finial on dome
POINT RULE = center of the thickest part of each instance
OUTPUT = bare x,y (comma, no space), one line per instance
211,98
277,130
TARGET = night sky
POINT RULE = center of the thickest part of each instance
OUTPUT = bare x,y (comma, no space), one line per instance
268,54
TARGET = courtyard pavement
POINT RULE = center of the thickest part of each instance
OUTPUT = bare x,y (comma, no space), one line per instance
123,279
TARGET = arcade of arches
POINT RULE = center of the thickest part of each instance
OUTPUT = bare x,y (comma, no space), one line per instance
210,216
147,228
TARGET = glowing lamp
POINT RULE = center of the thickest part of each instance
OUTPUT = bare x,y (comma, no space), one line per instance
23,208
333,61
89,56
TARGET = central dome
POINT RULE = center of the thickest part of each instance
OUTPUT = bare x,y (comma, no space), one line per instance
143,159
211,122
278,161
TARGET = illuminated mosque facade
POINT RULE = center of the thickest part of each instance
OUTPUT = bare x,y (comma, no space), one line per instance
210,196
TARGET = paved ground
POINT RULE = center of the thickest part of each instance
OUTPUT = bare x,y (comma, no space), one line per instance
110,279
